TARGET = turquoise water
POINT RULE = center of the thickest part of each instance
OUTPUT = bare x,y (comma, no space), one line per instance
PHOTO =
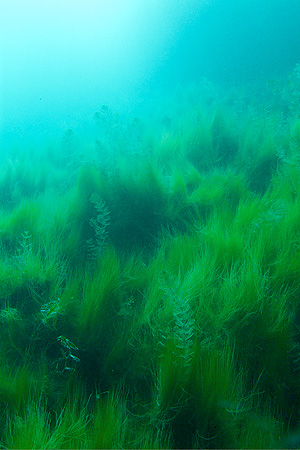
62,60
149,224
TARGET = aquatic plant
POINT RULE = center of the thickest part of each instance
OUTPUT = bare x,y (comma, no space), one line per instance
109,422
99,224
18,387
32,430
138,206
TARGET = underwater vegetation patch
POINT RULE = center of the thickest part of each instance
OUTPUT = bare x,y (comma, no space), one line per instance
149,290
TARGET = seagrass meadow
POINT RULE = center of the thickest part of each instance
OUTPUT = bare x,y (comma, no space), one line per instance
149,277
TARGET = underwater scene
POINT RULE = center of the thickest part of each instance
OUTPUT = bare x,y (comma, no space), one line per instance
150,224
